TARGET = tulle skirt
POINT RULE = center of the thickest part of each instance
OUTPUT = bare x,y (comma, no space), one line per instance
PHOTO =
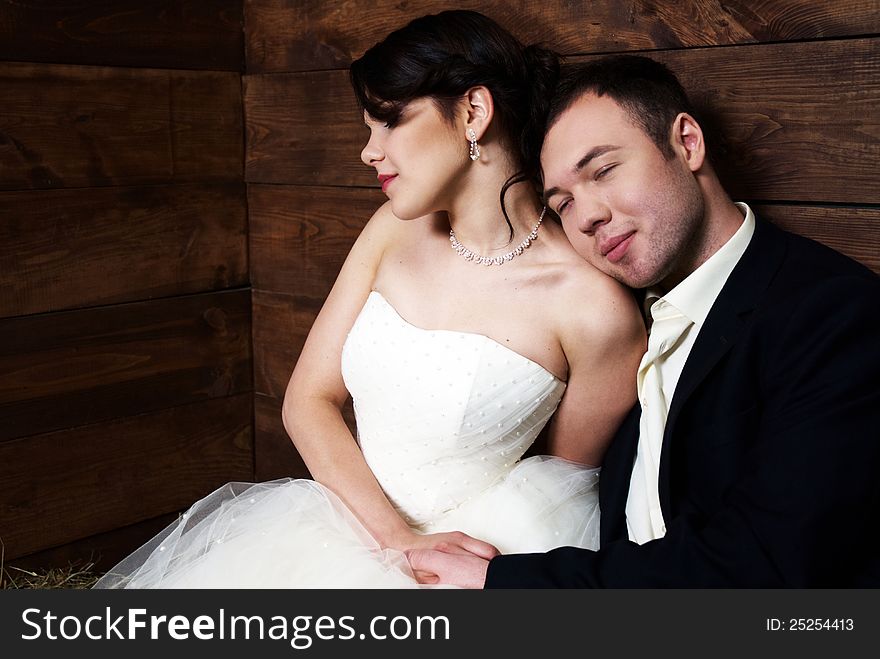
298,534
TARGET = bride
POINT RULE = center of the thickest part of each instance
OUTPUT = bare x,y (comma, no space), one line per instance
455,357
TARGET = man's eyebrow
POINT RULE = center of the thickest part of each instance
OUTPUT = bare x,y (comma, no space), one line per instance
592,154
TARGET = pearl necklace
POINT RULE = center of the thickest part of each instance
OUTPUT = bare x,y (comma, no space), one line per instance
468,255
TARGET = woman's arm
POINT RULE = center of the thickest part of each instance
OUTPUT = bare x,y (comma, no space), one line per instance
316,393
603,337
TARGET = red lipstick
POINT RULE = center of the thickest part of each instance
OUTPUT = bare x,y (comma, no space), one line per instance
385,180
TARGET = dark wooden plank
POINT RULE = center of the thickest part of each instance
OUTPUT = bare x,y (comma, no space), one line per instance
850,230
65,249
185,34
304,128
60,487
207,127
275,454
281,324
297,35
799,119
300,235
75,126
72,368
103,550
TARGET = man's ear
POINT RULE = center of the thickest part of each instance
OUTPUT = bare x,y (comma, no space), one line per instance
687,140
479,109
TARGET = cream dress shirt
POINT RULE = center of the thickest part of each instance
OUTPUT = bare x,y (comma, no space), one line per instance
693,297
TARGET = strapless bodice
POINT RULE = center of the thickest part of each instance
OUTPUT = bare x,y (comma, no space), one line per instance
441,414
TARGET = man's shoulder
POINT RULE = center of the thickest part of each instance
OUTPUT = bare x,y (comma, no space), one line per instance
794,287
808,269
812,260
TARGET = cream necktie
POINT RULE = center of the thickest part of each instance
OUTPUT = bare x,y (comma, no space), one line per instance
643,515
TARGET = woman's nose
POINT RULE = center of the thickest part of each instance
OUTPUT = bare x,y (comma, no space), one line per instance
371,153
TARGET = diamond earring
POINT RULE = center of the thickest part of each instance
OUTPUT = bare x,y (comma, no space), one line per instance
475,148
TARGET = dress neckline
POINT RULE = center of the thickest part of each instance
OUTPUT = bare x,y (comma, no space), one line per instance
391,307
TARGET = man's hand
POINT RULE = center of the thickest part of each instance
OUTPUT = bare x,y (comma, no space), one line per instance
448,565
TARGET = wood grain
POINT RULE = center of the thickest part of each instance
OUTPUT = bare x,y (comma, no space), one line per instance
302,35
185,34
65,249
72,368
60,487
281,324
76,126
103,550
798,119
300,235
304,128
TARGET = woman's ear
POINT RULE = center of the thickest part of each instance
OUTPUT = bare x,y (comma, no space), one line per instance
687,139
479,110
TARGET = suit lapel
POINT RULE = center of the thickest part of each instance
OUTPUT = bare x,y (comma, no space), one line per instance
724,325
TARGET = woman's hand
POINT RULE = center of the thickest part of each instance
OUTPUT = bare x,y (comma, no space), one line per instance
454,542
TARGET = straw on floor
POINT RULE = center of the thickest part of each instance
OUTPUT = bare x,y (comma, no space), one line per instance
79,575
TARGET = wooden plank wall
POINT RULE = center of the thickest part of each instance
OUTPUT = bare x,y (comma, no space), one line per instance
146,184
125,315
794,84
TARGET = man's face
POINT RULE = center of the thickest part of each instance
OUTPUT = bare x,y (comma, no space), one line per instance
625,207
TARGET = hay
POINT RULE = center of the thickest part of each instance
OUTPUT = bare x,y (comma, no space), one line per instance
77,575
71,576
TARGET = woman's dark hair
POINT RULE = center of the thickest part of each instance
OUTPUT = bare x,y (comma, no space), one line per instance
441,56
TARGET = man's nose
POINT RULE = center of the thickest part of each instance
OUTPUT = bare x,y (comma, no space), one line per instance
592,216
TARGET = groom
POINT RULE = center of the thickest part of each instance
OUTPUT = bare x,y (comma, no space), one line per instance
753,456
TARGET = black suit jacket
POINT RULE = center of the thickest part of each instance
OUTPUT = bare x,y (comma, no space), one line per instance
770,466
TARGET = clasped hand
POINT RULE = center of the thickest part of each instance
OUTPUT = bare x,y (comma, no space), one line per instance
453,558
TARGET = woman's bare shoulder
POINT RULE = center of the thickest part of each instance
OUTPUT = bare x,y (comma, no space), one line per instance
382,225
382,233
588,300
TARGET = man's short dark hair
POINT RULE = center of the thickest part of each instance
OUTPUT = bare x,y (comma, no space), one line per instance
645,88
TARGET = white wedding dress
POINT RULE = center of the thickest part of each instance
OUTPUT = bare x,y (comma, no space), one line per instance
443,418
